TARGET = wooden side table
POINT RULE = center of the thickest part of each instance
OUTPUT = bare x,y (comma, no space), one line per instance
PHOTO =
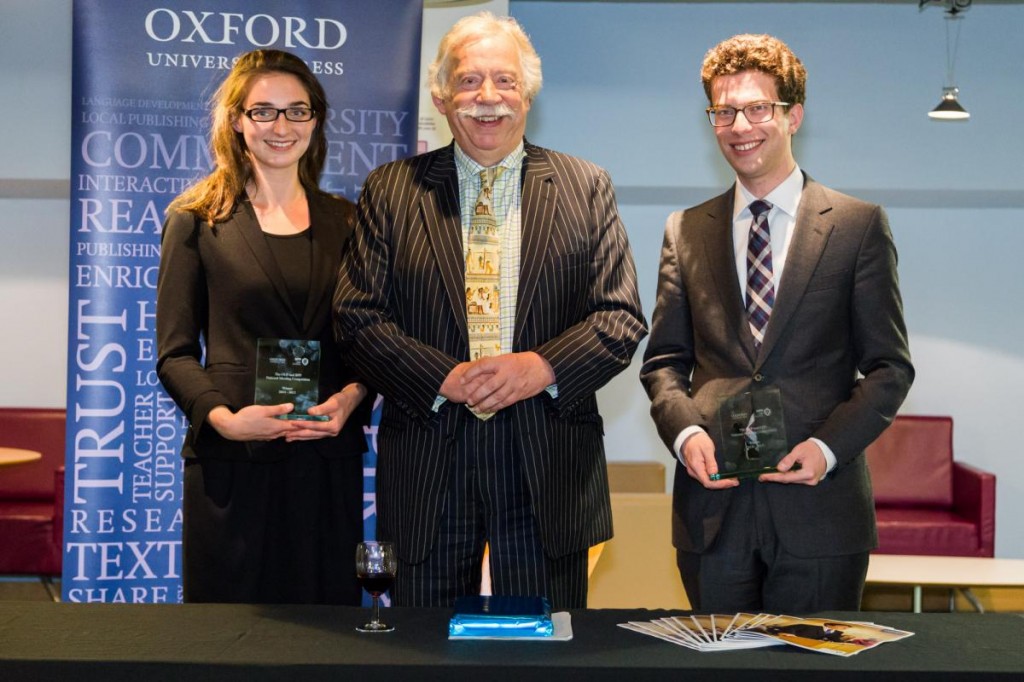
13,456
953,572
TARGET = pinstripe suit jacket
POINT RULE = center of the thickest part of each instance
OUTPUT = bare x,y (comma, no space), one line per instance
400,314
835,345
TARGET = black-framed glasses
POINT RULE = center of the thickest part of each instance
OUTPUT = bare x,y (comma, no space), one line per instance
269,114
755,112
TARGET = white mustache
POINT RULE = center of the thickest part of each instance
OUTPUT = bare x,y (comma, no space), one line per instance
482,110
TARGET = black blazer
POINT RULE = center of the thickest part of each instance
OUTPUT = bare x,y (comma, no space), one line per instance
401,317
835,345
219,285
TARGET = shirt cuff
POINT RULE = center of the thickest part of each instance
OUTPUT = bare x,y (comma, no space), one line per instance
552,391
830,457
680,441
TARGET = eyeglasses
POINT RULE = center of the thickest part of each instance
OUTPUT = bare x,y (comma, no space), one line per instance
755,112
269,114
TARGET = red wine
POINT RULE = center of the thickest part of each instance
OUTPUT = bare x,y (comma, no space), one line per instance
376,583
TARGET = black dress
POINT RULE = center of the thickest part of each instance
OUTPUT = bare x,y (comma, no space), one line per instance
269,522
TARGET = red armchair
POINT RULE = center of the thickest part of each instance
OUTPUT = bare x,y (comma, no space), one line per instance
925,502
32,495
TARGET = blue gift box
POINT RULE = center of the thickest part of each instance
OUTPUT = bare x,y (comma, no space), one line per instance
497,616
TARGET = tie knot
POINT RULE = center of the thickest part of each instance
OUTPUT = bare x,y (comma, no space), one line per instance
759,207
489,175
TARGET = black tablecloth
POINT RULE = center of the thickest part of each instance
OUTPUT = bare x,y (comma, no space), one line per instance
193,642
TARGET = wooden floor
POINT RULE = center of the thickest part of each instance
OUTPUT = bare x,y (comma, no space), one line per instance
22,588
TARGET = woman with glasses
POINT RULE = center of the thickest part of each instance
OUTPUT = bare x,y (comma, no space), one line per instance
250,254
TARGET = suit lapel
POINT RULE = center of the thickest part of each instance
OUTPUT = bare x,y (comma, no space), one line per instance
719,250
249,226
539,206
327,240
442,221
811,233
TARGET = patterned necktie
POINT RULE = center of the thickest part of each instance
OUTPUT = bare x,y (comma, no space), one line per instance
483,275
760,288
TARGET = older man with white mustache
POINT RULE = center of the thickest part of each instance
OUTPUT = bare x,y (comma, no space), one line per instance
490,431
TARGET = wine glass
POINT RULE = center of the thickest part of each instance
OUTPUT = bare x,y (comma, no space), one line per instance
375,569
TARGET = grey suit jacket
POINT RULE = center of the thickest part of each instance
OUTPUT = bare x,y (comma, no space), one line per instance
836,347
401,318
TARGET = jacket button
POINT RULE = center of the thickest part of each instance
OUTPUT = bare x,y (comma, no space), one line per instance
758,377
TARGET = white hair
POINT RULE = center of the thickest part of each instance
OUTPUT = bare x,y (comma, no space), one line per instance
477,27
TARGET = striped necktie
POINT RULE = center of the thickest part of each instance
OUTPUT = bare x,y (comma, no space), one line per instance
760,288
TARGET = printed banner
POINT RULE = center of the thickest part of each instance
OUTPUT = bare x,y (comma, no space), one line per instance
143,72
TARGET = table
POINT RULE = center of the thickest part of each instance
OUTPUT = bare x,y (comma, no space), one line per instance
954,572
229,642
12,456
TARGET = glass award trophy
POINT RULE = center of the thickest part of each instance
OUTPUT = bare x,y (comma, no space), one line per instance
753,434
288,371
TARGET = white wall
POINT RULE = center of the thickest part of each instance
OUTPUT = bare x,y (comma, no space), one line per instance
622,89
35,77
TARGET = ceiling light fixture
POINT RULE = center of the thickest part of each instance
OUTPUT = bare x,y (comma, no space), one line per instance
949,107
